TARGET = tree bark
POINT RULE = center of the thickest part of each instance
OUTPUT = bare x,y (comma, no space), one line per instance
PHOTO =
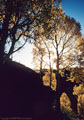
4,30
58,78
57,54
50,69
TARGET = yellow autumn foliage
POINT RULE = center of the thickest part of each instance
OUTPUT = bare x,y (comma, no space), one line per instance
81,105
46,80
65,102
78,90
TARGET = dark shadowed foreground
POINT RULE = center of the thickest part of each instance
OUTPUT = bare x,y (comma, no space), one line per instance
23,96
22,93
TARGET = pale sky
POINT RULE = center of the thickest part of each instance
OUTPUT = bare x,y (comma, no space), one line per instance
24,55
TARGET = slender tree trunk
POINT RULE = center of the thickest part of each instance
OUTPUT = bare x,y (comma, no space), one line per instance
58,79
41,66
58,91
57,64
57,54
50,67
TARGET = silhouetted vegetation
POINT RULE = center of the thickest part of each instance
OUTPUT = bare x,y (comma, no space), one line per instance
21,92
70,92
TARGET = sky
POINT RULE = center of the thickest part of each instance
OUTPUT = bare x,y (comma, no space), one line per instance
24,56
72,8
75,9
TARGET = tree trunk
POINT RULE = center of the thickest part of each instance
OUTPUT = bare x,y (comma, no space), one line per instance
57,64
41,66
57,54
4,30
57,78
50,70
58,90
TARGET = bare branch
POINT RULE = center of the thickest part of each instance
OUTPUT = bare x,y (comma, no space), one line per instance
20,47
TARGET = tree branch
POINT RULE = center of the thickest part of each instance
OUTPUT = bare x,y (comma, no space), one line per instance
20,47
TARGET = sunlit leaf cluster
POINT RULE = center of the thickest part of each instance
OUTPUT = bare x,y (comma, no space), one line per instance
80,56
81,105
78,90
46,80
65,102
